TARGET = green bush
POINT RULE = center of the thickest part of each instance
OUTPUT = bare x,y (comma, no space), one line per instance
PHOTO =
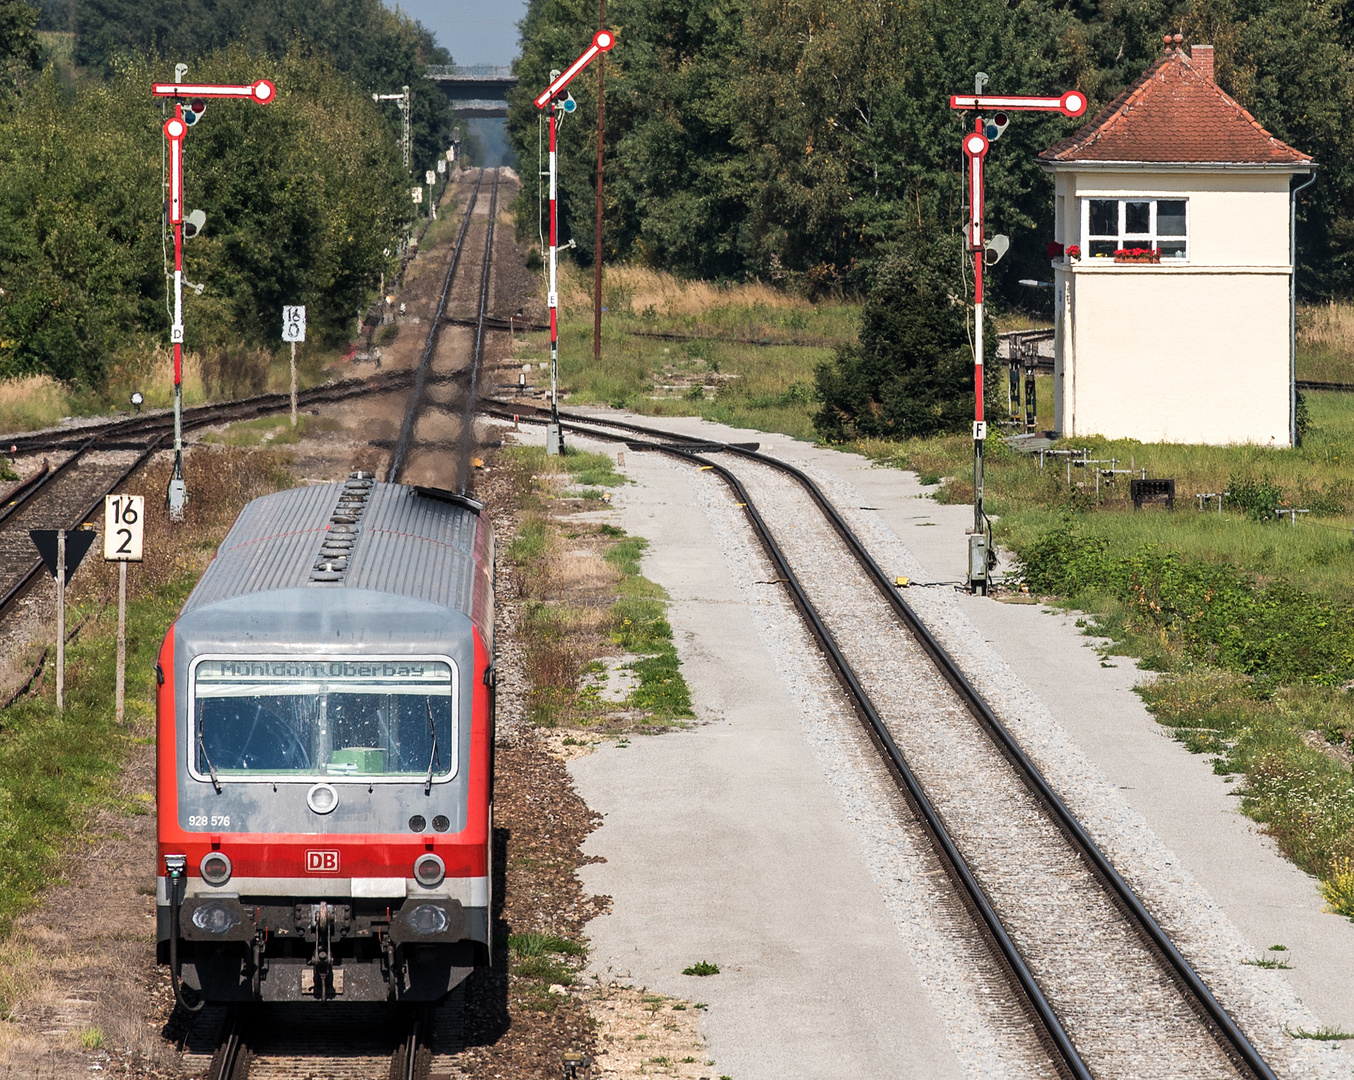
1271,631
911,373
1257,499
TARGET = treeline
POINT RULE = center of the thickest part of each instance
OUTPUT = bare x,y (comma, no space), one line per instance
303,197
378,49
798,140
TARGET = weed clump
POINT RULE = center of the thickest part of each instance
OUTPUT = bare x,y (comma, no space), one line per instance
701,968
1338,888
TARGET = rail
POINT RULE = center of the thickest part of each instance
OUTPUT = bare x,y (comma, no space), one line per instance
399,458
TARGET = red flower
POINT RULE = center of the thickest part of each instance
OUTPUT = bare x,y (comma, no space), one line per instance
1054,249
1073,252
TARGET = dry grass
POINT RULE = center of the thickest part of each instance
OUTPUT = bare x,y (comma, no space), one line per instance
637,289
1326,342
35,402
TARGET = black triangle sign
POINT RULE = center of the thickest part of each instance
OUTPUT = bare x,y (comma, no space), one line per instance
78,543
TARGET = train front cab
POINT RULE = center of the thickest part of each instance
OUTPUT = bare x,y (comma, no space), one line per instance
324,817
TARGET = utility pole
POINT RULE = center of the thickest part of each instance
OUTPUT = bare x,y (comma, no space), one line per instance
175,129
597,243
975,146
555,97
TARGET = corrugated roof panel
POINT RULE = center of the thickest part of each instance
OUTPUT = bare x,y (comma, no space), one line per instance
404,543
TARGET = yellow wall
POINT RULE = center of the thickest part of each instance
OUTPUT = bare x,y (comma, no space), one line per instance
1193,350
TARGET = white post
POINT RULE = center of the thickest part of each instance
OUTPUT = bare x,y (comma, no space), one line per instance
293,384
60,619
121,697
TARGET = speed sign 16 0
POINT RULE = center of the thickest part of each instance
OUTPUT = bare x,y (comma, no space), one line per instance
294,323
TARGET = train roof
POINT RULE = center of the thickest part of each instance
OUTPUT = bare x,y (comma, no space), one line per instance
412,542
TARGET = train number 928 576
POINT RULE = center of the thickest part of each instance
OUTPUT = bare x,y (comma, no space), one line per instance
215,821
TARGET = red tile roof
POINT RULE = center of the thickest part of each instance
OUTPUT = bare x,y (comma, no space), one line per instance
1174,114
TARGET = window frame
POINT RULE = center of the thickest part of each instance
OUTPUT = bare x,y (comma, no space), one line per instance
188,728
1151,239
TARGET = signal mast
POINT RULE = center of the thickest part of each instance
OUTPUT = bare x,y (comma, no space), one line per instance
175,128
989,252
556,96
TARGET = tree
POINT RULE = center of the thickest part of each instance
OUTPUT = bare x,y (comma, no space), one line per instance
379,49
911,372
302,197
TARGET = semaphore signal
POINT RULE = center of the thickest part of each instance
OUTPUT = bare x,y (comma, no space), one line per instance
175,129
975,146
559,100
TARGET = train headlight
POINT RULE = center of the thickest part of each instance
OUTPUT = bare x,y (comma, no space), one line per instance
429,870
428,919
322,798
215,868
215,918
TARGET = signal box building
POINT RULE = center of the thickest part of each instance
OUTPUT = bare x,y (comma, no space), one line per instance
1174,318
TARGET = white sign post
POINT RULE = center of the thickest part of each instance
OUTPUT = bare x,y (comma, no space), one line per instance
293,330
430,178
124,519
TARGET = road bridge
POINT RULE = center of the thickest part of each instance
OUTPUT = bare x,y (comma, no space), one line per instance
477,90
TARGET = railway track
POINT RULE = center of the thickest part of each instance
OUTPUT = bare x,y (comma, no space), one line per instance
1104,989
424,376
308,1041
96,459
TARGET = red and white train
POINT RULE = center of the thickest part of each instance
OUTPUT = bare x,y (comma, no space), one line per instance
325,760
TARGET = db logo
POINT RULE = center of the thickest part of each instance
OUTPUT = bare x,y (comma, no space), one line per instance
322,862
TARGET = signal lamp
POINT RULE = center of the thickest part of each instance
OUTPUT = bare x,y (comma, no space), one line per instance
429,870
215,867
995,125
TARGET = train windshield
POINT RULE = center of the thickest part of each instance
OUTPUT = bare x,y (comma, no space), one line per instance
377,718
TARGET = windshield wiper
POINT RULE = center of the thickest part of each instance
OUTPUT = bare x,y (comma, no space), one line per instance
434,758
202,750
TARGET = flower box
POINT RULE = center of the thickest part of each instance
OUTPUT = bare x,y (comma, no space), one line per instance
1137,255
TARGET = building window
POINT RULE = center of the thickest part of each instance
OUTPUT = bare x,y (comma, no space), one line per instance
1160,224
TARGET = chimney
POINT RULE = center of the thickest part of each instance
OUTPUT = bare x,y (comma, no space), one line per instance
1201,56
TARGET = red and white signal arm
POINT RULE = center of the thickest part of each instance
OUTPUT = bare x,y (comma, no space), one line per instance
975,149
175,130
262,91
1072,103
602,41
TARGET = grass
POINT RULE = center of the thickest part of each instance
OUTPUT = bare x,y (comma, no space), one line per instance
1316,555
705,367
271,431
540,961
1326,1034
91,1038
38,401
703,969
587,603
